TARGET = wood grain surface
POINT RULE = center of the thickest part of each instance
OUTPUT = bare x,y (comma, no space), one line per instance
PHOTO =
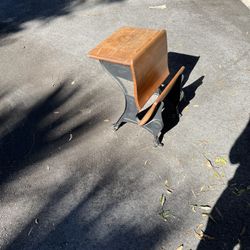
145,51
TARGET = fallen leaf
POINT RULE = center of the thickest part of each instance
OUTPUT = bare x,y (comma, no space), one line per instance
206,236
239,192
202,236
166,183
220,161
218,212
162,200
70,137
198,235
205,207
209,215
73,82
243,230
106,120
193,193
165,214
209,164
199,227
146,162
196,105
205,215
217,175
164,6
194,206
30,231
180,247
169,191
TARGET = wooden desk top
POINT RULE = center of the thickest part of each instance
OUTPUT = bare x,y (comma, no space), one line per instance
124,45
144,51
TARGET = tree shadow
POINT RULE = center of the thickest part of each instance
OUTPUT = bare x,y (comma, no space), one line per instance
80,228
172,104
28,136
231,213
15,13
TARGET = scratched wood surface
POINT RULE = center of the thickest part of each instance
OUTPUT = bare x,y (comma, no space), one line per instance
145,51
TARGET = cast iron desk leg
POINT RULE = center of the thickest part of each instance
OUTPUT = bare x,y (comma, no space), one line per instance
121,74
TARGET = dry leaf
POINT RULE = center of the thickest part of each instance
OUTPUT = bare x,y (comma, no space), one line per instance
206,236
106,120
169,191
217,175
164,6
218,212
239,192
199,227
220,161
198,235
165,214
193,209
30,231
196,105
166,183
202,236
180,247
194,206
208,215
70,137
193,193
162,200
243,231
205,207
205,215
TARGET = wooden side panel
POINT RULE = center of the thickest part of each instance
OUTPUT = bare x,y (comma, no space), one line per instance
150,69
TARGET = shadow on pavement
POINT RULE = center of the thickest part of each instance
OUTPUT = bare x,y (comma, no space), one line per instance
91,222
15,13
172,107
79,213
30,136
231,213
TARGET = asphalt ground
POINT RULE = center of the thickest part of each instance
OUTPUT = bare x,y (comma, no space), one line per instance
69,182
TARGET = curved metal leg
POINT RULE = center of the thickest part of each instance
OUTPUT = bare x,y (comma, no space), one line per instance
156,125
129,113
122,74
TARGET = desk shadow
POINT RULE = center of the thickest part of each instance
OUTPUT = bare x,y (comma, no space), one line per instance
172,104
231,213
